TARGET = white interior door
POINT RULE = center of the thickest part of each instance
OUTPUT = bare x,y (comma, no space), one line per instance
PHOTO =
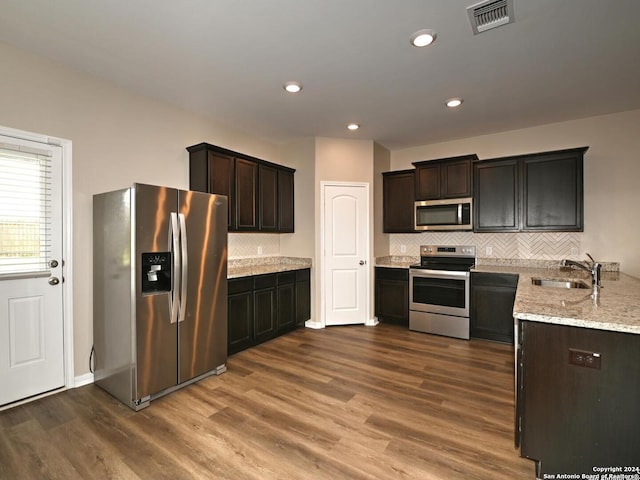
31,307
346,240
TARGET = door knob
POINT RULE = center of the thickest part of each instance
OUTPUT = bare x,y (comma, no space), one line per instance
362,262
53,263
54,281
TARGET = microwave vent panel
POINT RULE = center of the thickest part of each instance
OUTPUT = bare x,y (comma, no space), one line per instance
490,14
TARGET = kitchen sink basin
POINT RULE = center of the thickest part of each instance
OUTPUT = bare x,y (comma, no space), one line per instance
547,282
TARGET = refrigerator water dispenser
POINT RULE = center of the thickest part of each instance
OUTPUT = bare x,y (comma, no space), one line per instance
156,272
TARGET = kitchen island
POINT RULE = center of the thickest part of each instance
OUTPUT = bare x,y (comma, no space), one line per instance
577,372
617,309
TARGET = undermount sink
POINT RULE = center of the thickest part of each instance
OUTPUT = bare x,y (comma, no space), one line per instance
546,282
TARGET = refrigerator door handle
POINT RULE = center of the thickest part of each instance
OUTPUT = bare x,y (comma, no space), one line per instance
174,299
184,267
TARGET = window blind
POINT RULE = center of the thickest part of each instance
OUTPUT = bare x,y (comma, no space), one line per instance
25,210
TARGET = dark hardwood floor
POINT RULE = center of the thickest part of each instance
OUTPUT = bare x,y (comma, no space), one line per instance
340,403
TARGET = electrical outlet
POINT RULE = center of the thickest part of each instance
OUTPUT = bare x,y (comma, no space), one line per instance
403,249
582,358
574,251
489,250
259,250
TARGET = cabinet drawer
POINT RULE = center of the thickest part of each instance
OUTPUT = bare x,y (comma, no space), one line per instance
239,285
302,275
286,277
400,274
494,279
264,281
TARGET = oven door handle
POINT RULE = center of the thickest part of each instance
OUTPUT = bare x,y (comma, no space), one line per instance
437,273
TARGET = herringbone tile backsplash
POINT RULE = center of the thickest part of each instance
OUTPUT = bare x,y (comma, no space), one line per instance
526,246
243,245
529,246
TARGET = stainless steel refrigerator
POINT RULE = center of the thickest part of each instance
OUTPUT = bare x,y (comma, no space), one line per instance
159,290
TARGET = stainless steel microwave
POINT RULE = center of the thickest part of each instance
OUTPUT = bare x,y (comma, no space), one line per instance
447,214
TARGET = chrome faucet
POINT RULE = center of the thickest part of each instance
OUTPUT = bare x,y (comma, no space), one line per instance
590,266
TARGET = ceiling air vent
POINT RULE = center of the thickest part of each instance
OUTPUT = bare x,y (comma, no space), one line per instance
490,14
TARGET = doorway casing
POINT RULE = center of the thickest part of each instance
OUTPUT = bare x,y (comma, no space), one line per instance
67,252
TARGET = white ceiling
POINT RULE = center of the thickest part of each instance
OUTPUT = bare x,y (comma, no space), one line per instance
228,59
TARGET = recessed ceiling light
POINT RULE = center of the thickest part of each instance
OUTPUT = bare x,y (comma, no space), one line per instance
292,87
454,102
422,38
353,126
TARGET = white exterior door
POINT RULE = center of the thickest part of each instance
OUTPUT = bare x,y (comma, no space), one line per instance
346,242
31,307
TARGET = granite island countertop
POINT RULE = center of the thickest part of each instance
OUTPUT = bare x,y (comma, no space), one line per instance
617,308
247,267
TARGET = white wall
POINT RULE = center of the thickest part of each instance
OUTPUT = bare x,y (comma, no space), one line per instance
611,174
381,163
301,156
118,138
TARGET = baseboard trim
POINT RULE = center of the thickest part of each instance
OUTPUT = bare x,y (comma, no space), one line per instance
313,324
372,322
83,380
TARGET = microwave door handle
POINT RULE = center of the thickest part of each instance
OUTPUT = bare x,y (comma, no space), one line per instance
460,213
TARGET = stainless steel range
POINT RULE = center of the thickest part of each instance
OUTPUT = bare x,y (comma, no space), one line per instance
439,290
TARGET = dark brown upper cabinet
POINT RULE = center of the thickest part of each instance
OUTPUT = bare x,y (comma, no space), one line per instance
552,191
444,178
398,201
213,172
246,200
260,193
285,201
496,200
268,195
535,192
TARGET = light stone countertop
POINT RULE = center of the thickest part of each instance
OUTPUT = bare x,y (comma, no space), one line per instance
396,261
617,309
247,267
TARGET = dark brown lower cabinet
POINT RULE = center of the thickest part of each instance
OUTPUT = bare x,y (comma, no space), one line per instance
286,293
392,295
262,307
578,407
240,314
492,297
303,296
